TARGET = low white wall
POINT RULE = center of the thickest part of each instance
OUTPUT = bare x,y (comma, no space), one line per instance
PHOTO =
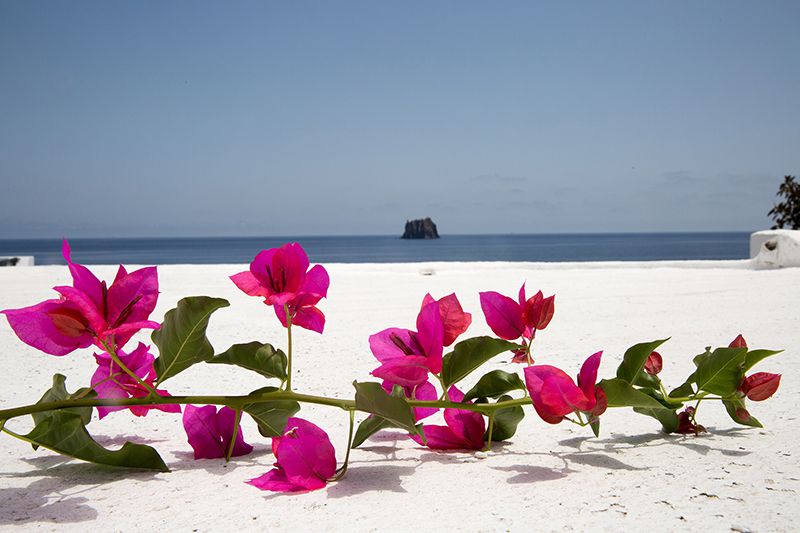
775,248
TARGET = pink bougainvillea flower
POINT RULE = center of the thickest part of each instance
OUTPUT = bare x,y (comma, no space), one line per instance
555,395
281,276
304,459
89,312
210,432
407,356
511,319
738,342
654,363
454,320
109,381
464,429
425,392
760,386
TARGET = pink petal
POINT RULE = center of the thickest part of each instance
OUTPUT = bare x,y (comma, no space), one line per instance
443,438
123,333
35,327
306,455
503,315
316,282
203,434
427,393
430,335
406,371
427,299
308,317
135,295
521,296
553,393
249,284
392,343
259,267
588,374
275,480
454,320
86,306
82,278
467,424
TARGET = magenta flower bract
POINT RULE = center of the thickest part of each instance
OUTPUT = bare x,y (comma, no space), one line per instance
555,395
109,381
424,392
304,459
89,312
407,356
510,319
760,386
454,320
464,429
210,431
281,276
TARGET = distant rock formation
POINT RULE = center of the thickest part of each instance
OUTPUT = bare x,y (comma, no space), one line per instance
420,229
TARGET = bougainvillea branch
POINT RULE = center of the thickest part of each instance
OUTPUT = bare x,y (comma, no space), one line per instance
409,361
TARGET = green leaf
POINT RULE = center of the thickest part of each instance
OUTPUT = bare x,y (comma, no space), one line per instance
722,371
634,359
271,415
469,354
667,417
66,434
621,394
755,356
368,427
687,389
374,423
58,392
699,358
182,340
595,425
733,406
505,421
371,398
256,356
494,384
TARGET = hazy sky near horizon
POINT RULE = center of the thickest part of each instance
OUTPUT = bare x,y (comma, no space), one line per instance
323,118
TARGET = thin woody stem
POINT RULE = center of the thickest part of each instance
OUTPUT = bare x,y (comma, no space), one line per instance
288,348
113,353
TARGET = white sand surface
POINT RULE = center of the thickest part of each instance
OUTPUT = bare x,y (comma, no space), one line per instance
548,478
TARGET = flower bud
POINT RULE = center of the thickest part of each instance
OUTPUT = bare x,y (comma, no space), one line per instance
653,364
738,342
760,386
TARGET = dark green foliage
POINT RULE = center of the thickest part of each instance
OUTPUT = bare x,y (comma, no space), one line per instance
786,214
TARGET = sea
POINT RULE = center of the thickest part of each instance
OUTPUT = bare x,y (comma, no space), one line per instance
392,249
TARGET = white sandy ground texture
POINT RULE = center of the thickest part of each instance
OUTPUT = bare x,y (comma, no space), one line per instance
548,478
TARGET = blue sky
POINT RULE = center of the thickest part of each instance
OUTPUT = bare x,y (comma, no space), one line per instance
318,118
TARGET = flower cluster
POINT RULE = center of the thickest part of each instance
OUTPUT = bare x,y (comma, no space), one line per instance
411,365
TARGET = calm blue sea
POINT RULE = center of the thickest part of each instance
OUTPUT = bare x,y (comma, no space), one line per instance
391,249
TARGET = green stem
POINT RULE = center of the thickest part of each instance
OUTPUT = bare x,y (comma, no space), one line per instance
343,469
113,353
288,348
489,435
443,396
235,434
